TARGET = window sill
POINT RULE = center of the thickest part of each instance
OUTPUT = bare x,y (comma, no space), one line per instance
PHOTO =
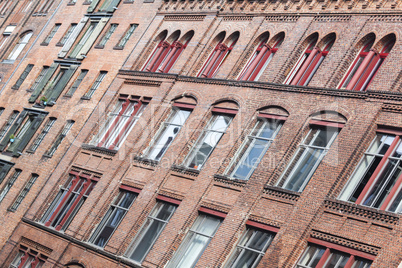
228,180
99,149
59,44
44,44
86,3
85,98
118,48
47,156
130,2
282,194
146,161
70,4
8,61
99,47
185,170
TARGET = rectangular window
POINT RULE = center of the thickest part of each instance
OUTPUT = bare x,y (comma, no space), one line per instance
251,248
320,256
167,134
95,85
83,40
87,39
107,36
23,193
307,158
23,76
208,140
9,184
67,34
51,34
195,242
127,35
4,169
77,83
39,78
253,149
21,132
119,123
8,124
150,231
28,258
43,8
112,219
377,179
59,138
42,135
68,202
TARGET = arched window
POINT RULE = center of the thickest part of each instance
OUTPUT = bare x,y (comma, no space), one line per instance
260,59
24,39
175,49
218,56
366,64
308,64
167,52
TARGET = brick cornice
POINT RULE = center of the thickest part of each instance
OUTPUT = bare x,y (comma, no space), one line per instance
368,213
345,242
140,82
34,245
342,93
281,193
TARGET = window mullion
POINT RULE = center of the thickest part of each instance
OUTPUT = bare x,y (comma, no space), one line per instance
256,62
114,123
127,124
74,183
384,182
323,259
74,205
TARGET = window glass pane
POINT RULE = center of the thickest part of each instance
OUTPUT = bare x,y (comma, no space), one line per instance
308,157
312,256
251,248
207,141
195,242
112,219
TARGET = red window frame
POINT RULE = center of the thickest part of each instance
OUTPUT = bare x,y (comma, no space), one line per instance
88,182
311,63
126,101
330,246
38,258
165,55
372,61
258,59
216,59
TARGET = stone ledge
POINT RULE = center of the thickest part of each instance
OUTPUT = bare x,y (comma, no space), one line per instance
230,181
145,161
345,242
281,193
185,170
80,243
